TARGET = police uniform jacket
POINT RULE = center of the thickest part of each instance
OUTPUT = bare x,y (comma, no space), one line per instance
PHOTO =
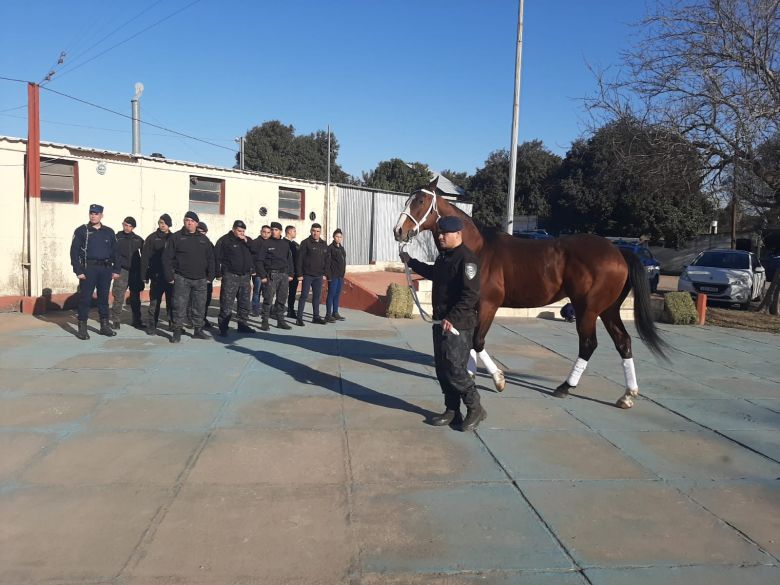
294,251
151,255
232,254
312,257
130,256
455,276
189,255
91,245
274,255
336,266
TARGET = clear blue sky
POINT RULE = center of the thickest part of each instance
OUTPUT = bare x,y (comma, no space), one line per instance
422,80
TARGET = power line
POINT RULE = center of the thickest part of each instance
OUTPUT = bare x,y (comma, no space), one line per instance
12,79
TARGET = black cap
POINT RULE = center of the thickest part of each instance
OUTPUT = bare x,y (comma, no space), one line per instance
316,226
95,208
450,223
130,220
239,224
203,227
275,225
167,219
191,215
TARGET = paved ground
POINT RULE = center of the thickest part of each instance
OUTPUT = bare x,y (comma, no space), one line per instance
304,458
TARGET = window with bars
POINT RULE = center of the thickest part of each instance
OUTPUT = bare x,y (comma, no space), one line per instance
291,203
59,180
207,195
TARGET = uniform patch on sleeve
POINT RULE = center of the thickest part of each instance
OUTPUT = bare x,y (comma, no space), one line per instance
471,270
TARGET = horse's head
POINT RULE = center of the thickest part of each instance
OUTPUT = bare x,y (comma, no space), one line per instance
420,213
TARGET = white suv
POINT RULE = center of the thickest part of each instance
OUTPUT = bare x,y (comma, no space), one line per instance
732,276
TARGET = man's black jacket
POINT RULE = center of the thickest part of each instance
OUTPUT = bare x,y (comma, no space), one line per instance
312,257
273,254
151,255
190,255
232,254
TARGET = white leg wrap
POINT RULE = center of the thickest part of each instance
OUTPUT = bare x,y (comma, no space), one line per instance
491,366
472,365
630,372
576,372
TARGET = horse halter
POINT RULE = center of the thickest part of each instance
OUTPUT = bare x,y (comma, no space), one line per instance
433,207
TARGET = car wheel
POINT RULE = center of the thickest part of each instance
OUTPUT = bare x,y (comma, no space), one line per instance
744,306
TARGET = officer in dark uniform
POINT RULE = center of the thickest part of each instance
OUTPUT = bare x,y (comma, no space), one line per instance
312,256
235,266
455,276
289,234
203,229
94,256
274,266
152,271
188,263
130,245
257,286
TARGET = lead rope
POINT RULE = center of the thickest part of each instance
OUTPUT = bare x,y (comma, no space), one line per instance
423,313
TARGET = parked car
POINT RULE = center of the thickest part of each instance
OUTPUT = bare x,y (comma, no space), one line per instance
533,234
731,276
652,266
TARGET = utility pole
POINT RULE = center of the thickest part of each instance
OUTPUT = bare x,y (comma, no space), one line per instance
240,141
33,191
327,187
135,107
734,210
510,197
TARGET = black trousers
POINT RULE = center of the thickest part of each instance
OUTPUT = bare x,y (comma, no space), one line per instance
293,288
315,283
451,356
277,288
157,288
98,277
235,286
188,291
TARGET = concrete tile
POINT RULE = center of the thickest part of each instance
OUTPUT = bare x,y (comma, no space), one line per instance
634,523
726,414
365,412
658,384
692,455
164,413
107,360
644,416
14,379
178,381
17,450
765,442
380,386
741,385
74,535
143,458
481,577
271,456
427,454
257,535
79,381
45,410
526,414
772,404
753,508
320,411
437,528
714,575
560,455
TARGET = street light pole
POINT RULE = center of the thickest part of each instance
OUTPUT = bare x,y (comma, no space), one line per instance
510,196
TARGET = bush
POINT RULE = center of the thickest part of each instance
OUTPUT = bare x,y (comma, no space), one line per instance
679,309
399,302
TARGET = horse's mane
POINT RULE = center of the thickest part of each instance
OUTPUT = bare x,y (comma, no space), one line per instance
488,233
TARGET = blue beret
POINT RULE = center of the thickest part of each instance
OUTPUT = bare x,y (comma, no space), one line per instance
450,223
95,208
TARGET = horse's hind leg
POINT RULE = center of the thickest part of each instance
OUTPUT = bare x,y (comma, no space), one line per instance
586,330
617,331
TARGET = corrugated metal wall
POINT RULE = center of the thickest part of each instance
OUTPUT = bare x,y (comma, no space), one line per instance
367,219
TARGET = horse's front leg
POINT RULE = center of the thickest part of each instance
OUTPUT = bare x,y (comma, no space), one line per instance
486,314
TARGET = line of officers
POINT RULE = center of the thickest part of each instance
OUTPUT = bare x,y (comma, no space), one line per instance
182,265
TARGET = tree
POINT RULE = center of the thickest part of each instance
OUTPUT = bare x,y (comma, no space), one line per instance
458,178
274,148
488,188
396,175
629,179
707,70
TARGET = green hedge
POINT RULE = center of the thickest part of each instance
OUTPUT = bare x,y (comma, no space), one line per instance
399,302
679,309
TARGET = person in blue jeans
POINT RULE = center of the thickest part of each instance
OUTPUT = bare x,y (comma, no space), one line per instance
257,286
335,269
310,265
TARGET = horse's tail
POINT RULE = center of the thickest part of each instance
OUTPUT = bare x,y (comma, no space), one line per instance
643,316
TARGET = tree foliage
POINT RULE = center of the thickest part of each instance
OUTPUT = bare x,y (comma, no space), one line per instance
396,175
274,148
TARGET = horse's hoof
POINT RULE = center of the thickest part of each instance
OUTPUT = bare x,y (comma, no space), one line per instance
562,391
499,380
624,402
472,375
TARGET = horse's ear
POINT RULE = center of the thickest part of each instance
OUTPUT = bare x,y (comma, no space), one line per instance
432,185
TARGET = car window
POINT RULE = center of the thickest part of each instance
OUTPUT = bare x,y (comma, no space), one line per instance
728,260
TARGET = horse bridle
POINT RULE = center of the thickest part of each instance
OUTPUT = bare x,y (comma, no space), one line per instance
433,207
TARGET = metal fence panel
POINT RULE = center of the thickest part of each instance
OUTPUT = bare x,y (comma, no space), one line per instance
354,219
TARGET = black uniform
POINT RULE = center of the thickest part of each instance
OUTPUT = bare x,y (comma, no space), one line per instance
310,265
152,270
274,262
235,266
455,276
294,284
130,253
95,254
188,261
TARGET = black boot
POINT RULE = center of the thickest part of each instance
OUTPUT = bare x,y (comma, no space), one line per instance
198,333
474,416
176,337
291,314
151,327
330,319
282,324
223,326
299,322
338,317
137,323
244,328
264,325
83,333
116,325
105,328
319,321
445,418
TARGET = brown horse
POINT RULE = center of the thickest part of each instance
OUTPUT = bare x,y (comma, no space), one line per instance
521,273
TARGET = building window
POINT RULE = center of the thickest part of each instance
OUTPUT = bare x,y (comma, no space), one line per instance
291,203
207,195
59,180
